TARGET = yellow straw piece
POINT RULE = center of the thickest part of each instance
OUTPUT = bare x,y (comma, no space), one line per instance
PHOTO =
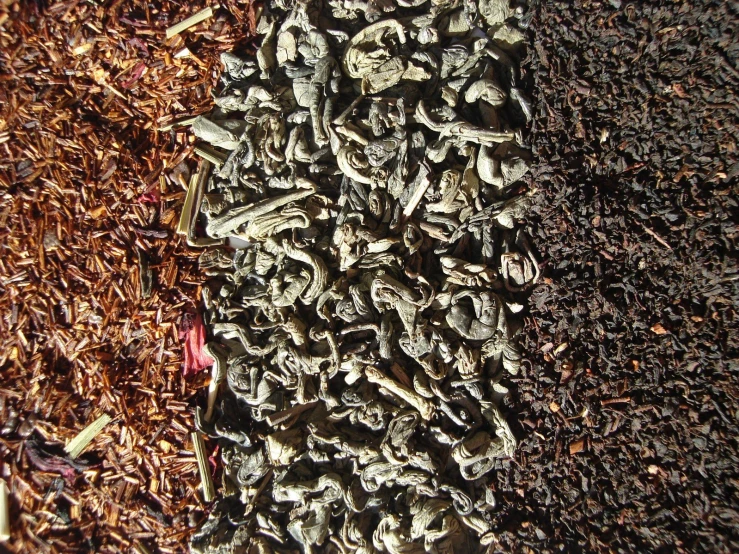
86,436
191,21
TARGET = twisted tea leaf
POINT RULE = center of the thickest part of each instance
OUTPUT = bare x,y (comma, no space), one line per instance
371,154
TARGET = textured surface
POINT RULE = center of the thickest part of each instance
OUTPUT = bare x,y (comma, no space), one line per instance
361,333
82,89
641,321
628,412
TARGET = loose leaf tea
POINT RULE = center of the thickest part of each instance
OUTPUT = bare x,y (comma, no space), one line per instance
362,328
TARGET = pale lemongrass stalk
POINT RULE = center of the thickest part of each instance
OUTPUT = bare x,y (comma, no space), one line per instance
179,123
191,21
206,480
213,156
4,512
183,227
86,436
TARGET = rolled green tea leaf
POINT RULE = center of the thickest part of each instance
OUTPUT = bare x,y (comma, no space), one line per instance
4,512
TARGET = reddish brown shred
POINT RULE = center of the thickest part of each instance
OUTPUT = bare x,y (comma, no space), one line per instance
83,88
193,334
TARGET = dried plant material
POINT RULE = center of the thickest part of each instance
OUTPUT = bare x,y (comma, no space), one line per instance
141,549
360,331
561,348
184,122
191,21
151,195
186,217
76,333
195,195
495,11
97,212
82,49
52,458
418,192
86,436
146,275
577,446
658,238
192,332
611,284
4,511
610,401
210,154
206,481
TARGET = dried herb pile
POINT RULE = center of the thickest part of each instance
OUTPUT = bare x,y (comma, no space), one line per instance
368,159
627,413
83,86
625,406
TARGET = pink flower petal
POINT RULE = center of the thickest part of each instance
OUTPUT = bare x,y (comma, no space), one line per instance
136,74
151,195
192,331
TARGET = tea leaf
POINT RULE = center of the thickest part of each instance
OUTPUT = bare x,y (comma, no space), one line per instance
205,478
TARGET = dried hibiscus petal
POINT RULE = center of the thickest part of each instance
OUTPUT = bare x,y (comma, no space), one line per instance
151,195
192,331
52,458
136,74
